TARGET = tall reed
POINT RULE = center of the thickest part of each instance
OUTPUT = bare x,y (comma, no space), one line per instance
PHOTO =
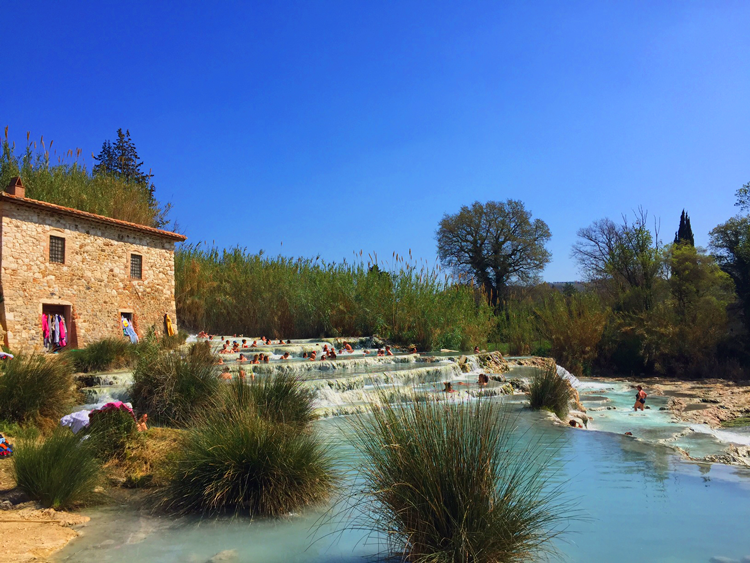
235,292
575,325
448,483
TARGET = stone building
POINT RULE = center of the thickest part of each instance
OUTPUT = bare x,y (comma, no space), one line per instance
91,270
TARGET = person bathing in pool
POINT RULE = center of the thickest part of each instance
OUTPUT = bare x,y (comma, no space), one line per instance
640,399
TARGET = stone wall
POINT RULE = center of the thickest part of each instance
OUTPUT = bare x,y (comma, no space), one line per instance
94,281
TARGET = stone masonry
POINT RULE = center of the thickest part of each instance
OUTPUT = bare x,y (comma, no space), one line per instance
93,285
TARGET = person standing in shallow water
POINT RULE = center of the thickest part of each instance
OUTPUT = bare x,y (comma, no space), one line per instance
640,399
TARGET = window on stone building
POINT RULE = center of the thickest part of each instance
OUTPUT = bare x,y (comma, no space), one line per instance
136,266
57,249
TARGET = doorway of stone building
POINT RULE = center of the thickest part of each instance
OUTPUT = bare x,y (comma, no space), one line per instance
65,311
127,314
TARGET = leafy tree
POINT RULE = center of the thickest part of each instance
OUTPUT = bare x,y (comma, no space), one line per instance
684,234
120,159
627,259
682,331
496,243
743,197
730,244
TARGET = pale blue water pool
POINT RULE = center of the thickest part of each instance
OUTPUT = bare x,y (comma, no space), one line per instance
639,501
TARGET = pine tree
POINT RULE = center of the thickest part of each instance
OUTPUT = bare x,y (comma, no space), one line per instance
684,234
121,160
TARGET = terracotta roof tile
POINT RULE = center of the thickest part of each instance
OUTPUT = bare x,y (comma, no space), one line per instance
92,217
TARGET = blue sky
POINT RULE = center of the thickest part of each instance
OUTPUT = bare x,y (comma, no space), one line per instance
334,127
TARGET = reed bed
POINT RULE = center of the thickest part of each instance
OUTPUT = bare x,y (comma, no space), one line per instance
449,483
236,292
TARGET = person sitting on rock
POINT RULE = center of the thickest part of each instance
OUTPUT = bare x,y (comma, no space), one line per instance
242,358
448,387
348,348
476,349
244,343
413,349
388,351
285,356
225,350
242,374
313,354
483,379
265,359
235,347
254,344
226,374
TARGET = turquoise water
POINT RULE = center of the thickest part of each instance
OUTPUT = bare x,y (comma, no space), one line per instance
635,500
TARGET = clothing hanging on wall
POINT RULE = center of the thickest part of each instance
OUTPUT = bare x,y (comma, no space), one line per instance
54,331
128,330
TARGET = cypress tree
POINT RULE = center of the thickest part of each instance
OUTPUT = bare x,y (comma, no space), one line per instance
684,234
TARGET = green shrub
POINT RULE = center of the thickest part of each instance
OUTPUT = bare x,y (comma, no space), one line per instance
446,483
279,398
241,463
106,354
550,391
36,389
173,387
60,472
111,432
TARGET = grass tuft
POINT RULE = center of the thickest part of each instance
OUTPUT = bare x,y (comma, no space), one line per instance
111,432
106,354
243,464
550,391
61,472
279,399
36,390
447,483
173,387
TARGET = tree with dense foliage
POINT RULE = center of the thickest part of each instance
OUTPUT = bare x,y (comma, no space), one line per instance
625,258
730,244
684,234
682,332
743,197
496,244
121,160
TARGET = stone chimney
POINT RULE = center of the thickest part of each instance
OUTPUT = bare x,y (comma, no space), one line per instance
16,187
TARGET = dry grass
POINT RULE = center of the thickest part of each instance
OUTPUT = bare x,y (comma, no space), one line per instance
145,461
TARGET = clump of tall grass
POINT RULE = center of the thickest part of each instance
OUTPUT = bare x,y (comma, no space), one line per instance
447,483
173,342
235,292
279,399
174,386
110,432
242,463
60,472
36,389
550,391
102,355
